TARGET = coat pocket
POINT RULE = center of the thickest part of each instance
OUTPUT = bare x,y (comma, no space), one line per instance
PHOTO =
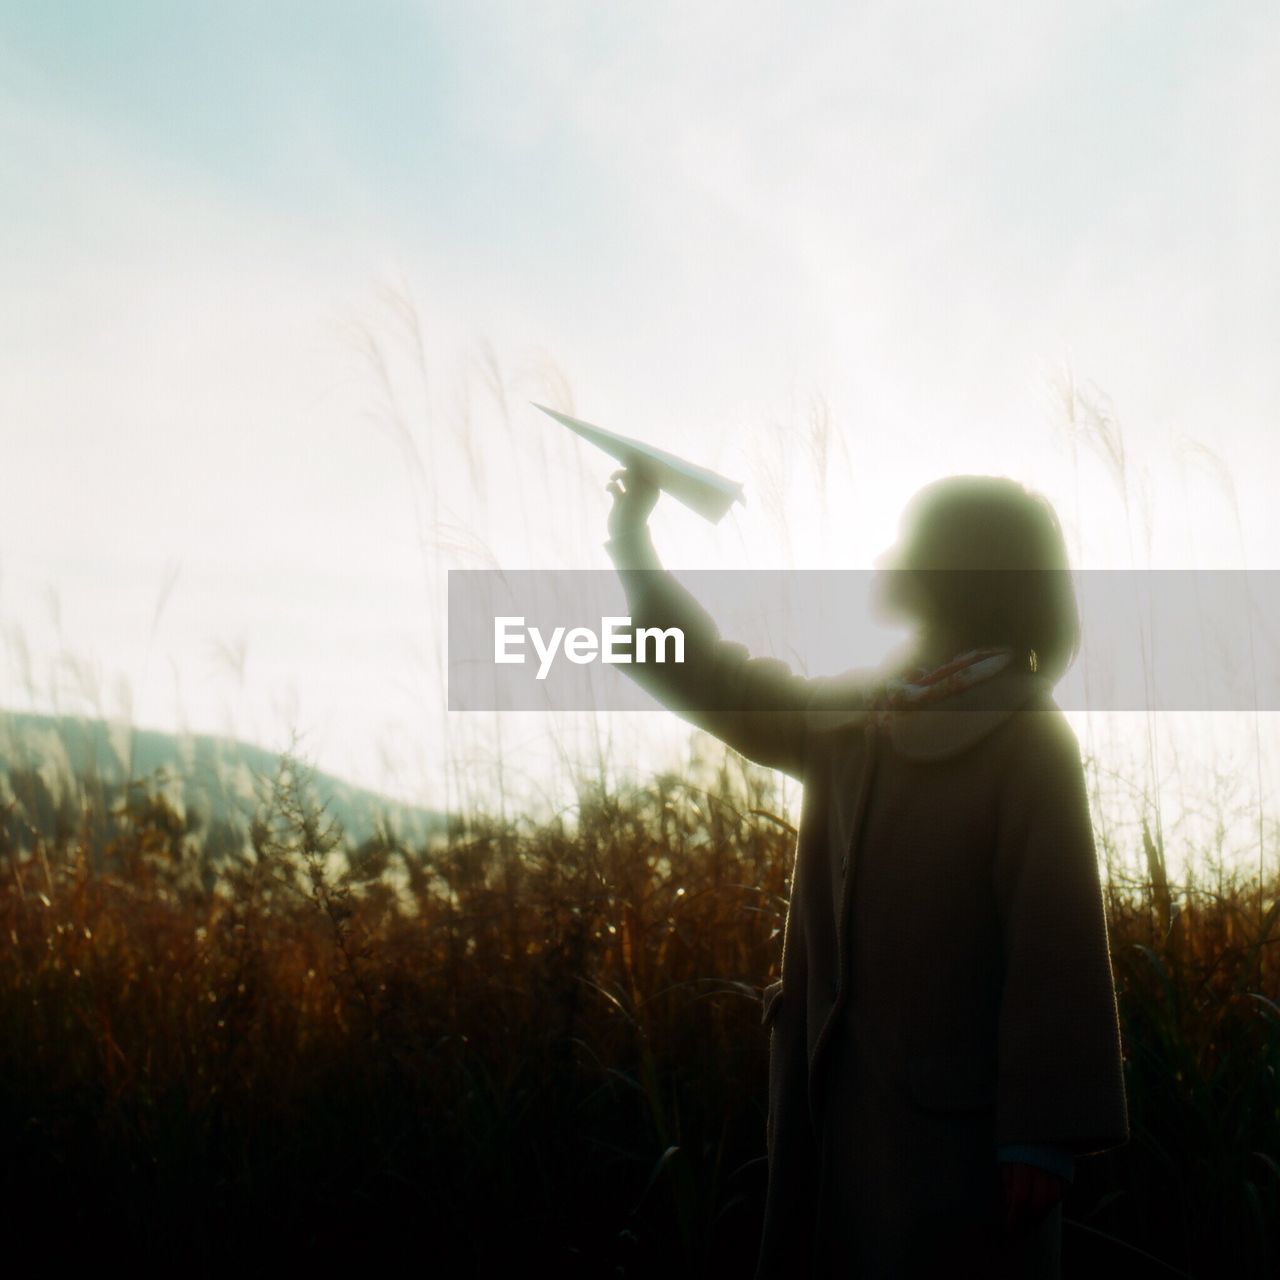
952,1081
771,1000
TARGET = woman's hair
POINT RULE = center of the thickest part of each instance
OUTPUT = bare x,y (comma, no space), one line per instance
991,564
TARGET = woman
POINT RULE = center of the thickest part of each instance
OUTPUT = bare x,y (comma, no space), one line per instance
944,1038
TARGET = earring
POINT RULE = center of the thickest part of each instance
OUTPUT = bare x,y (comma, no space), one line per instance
1033,660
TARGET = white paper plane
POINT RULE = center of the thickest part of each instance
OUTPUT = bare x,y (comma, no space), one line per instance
706,492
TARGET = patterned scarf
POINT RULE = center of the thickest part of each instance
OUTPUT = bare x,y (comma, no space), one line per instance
917,686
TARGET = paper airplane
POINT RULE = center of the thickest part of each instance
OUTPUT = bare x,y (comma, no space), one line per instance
703,491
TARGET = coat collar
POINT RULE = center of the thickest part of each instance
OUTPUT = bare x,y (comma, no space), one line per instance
946,728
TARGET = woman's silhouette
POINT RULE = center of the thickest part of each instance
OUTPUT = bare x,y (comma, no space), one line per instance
944,1039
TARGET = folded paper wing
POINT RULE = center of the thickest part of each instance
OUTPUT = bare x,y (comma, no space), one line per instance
706,492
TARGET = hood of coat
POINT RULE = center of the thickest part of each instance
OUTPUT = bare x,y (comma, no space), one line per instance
954,724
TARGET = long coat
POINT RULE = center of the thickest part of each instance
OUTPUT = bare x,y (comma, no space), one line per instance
946,982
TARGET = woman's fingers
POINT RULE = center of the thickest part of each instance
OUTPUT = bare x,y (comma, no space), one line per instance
634,496
619,485
628,482
643,489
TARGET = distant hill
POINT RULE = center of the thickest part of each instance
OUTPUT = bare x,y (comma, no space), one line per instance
207,777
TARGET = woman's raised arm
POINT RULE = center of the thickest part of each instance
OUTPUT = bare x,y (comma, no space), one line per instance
758,706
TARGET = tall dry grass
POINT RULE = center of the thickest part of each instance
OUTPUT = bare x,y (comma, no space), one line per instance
543,1049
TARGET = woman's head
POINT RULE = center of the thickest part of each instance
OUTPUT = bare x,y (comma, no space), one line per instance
981,560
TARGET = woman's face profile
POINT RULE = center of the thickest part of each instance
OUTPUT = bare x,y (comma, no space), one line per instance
891,594
893,597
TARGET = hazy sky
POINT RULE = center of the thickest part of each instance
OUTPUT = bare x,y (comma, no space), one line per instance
700,223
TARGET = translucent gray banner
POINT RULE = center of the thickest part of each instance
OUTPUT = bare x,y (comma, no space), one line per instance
1161,640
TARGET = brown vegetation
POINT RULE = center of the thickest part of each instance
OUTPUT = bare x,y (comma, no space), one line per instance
533,1043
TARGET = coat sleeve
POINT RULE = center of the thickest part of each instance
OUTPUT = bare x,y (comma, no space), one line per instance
756,705
1061,1074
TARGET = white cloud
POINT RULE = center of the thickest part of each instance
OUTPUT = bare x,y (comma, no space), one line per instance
907,208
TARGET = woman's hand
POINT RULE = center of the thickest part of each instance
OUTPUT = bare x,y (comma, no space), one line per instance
1029,1193
634,497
